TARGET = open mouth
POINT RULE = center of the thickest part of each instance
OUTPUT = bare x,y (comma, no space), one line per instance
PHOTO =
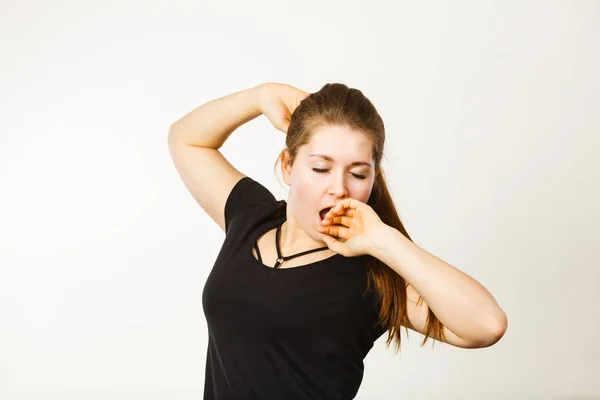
323,212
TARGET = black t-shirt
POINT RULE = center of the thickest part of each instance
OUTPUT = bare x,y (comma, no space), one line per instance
285,334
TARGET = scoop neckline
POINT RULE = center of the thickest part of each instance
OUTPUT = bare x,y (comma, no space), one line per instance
269,226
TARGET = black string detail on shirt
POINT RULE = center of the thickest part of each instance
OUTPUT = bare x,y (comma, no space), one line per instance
281,259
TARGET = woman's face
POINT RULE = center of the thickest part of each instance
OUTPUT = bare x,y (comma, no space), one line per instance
336,164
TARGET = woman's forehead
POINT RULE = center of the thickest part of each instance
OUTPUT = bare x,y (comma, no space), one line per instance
338,146
337,132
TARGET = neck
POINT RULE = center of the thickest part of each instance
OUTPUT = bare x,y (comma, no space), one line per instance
293,240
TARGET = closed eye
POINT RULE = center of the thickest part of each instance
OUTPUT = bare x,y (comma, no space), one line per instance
322,171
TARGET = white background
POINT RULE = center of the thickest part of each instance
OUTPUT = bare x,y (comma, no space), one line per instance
492,113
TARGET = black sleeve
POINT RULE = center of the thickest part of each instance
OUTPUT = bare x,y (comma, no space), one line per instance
246,192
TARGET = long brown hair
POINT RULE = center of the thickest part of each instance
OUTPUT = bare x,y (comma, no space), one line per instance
337,104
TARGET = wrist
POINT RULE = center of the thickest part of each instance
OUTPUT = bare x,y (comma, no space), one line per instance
258,94
379,239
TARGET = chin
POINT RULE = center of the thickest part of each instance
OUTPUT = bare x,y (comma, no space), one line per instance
318,236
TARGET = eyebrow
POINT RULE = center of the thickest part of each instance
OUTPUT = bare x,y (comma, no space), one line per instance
331,159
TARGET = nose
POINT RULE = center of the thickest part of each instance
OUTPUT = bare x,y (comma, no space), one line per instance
337,187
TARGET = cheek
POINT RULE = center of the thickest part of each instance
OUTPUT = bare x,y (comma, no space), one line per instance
361,192
364,195
304,195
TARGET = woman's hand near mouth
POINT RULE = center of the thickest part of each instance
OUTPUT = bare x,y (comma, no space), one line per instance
355,225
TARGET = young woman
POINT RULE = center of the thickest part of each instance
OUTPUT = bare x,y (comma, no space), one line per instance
301,289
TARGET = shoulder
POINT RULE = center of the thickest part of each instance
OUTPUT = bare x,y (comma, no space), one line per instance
247,198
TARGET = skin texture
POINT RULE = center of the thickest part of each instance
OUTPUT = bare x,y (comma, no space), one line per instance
311,191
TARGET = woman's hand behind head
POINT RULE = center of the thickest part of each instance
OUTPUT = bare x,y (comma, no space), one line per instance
277,101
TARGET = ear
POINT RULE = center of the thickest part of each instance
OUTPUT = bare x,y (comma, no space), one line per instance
286,166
